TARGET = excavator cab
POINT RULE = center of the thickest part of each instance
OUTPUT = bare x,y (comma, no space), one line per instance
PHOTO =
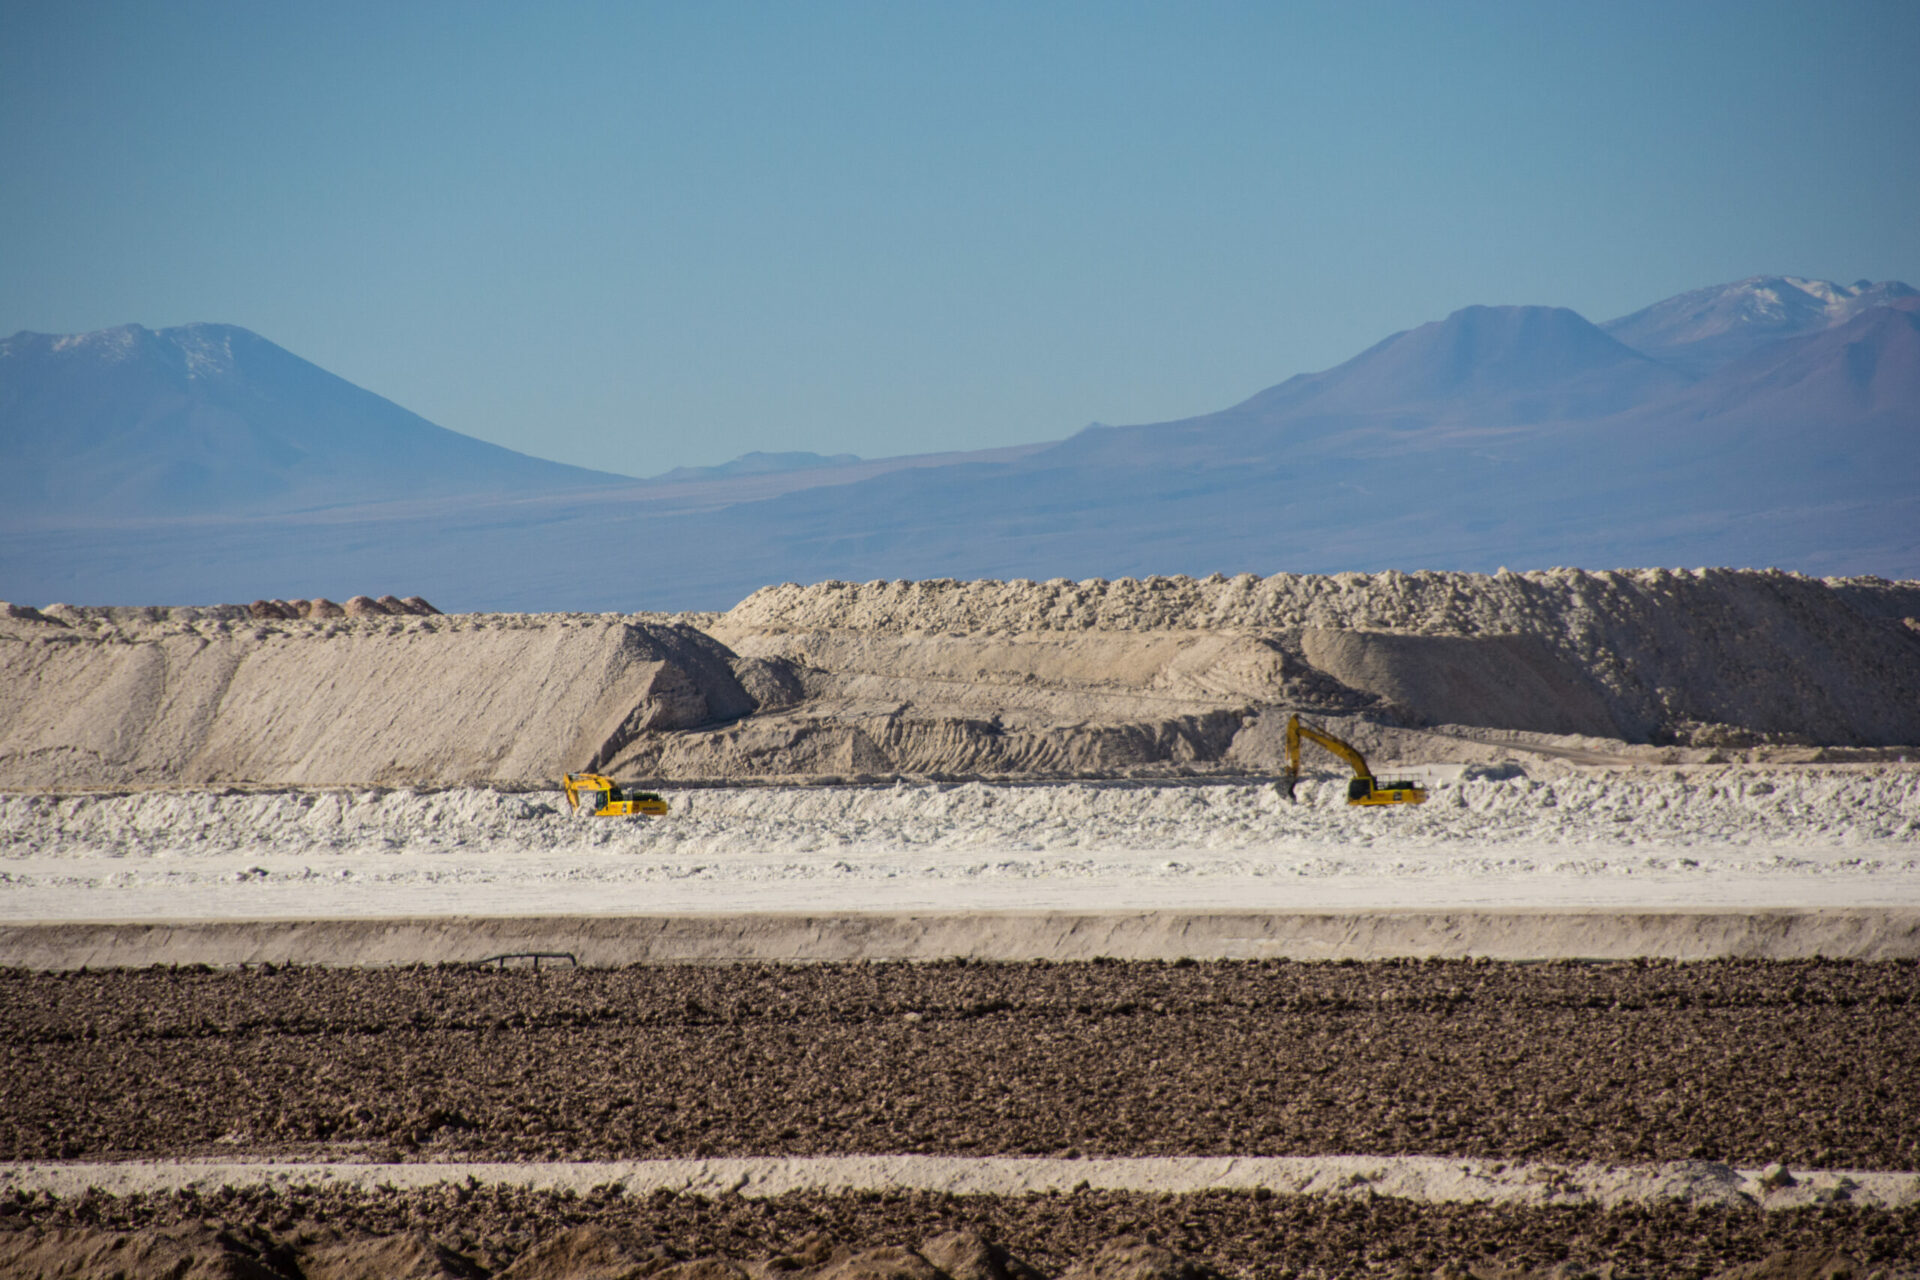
1367,791
604,798
1363,789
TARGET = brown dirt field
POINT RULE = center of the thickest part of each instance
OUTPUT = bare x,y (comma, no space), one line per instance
487,1230
1805,1062
1811,1063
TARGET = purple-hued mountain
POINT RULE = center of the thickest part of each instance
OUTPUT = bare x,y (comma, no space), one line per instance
1490,365
758,463
1481,371
1705,329
211,420
1864,371
1801,455
1518,436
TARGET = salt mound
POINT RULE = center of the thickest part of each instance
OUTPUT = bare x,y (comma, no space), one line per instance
949,679
357,607
1643,655
1428,602
214,695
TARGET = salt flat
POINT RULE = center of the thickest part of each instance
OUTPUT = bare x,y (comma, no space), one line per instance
1733,837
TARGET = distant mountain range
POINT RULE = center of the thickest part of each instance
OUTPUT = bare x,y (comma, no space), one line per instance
1773,421
1708,328
211,420
759,464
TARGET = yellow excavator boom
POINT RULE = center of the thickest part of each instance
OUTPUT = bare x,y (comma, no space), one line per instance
1363,789
604,799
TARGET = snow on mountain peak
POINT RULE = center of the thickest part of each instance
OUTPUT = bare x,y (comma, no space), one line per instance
1828,292
201,350
1838,300
1707,328
116,343
208,349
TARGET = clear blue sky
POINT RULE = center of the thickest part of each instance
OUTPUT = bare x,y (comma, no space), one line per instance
643,235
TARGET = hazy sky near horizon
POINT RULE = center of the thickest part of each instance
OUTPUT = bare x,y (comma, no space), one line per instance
639,235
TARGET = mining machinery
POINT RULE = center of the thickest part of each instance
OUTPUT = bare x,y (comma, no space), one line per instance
1363,789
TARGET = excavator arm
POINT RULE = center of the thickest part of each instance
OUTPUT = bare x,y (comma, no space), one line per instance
1363,789
587,784
604,799
1346,751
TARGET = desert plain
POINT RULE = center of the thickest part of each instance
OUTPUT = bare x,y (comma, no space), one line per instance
978,941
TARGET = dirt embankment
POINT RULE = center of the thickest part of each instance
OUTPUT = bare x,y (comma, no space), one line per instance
462,1232
951,679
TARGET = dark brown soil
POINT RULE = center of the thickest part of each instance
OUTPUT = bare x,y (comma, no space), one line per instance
1811,1063
489,1228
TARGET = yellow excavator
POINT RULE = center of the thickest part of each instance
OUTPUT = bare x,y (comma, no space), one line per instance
604,799
1363,789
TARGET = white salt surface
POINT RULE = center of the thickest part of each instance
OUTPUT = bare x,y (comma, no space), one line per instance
1736,836
1427,1179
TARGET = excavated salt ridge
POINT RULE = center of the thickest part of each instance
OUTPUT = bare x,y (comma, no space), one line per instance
983,679
1633,654
211,695
1719,811
1428,602
1710,839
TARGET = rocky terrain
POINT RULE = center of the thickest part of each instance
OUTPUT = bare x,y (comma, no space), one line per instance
944,678
1801,1064
458,1233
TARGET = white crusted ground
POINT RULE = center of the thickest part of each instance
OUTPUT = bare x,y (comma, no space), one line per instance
1712,837
1430,1179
